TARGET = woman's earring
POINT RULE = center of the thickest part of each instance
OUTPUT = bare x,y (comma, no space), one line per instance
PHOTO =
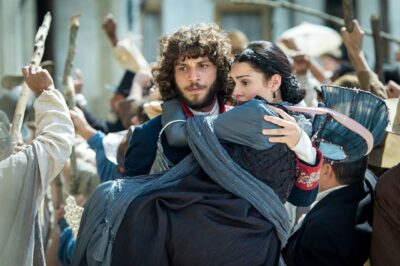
274,95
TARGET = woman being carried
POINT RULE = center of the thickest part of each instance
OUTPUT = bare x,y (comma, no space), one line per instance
262,71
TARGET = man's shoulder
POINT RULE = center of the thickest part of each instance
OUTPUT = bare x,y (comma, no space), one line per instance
153,124
347,203
150,129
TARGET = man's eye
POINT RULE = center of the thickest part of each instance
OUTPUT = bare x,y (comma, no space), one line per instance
182,69
204,65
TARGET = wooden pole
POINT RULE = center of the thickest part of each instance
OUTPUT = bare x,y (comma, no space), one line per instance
69,95
347,6
375,25
40,40
69,90
313,12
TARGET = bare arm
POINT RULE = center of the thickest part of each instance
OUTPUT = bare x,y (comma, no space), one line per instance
367,78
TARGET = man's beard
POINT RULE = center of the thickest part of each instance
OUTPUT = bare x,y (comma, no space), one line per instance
204,102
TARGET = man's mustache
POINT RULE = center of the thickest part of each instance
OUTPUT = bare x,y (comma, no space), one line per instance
195,85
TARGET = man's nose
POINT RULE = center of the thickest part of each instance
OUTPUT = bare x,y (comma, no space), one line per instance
194,75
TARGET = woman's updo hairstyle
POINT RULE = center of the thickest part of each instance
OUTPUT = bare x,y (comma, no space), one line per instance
267,58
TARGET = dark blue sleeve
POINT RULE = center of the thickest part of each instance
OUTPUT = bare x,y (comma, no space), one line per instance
302,198
115,126
142,149
93,122
106,169
66,244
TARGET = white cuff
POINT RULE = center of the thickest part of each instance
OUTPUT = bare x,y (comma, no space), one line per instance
304,149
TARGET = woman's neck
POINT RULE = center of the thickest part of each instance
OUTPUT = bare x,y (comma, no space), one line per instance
268,96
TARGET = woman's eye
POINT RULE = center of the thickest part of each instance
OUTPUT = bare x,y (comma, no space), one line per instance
245,82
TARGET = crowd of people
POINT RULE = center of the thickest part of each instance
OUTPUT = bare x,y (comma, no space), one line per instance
224,152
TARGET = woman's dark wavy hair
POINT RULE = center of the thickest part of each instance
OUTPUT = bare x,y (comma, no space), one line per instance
192,42
269,59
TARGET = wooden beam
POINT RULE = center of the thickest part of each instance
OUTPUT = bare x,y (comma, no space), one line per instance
313,12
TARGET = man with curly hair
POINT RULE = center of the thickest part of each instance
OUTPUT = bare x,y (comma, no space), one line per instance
193,66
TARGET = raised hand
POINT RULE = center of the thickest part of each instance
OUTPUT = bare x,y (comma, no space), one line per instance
301,63
37,79
393,89
110,28
82,127
353,40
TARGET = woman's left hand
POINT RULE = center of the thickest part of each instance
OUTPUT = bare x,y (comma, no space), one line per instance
289,133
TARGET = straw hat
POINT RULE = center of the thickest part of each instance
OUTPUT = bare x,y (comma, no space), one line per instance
387,154
313,39
238,41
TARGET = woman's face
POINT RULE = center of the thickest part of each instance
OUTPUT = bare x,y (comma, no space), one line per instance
249,83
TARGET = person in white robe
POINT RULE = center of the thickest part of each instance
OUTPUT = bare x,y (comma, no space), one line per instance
25,175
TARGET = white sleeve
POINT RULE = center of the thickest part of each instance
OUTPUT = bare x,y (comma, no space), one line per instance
54,134
25,175
304,149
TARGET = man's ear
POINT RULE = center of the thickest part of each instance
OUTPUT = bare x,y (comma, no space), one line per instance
324,169
329,174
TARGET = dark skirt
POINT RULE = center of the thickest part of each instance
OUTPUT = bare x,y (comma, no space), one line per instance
195,223
199,223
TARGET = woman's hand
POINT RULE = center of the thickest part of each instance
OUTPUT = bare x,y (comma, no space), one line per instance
289,133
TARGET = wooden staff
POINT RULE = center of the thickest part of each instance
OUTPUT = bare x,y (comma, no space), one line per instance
375,25
18,118
69,98
69,90
69,93
347,6
313,12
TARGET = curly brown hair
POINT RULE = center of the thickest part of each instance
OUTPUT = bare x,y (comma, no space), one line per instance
192,42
